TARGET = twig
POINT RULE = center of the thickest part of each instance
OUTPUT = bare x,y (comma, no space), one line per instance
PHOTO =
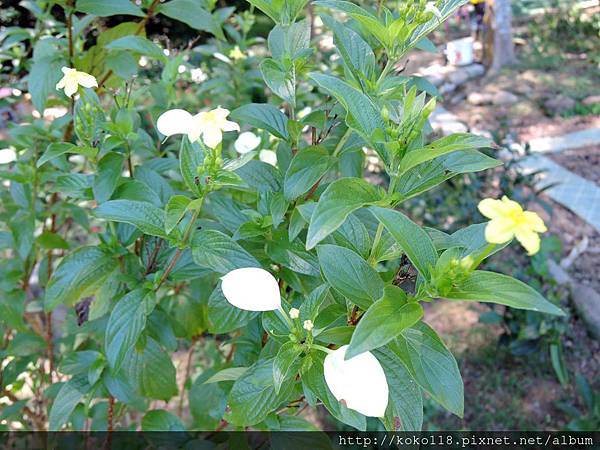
111,409
37,419
177,254
338,149
138,30
188,369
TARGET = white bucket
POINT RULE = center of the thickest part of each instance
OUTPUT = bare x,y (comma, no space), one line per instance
460,52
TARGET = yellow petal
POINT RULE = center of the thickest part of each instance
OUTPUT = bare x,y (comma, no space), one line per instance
61,83
534,222
499,231
71,87
86,80
212,137
201,119
490,208
510,205
530,240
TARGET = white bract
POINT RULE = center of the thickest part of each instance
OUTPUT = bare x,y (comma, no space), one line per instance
294,313
7,155
308,325
268,156
209,125
359,382
246,142
251,289
73,78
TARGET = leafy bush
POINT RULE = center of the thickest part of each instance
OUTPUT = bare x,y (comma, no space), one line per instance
292,273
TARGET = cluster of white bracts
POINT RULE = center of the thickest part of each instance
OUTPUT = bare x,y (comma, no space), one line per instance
359,381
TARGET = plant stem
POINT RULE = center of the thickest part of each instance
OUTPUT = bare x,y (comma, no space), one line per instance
379,233
320,347
342,142
188,368
141,26
389,65
286,318
486,252
111,408
338,149
184,242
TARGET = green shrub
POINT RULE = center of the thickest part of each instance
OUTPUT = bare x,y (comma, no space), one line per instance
122,245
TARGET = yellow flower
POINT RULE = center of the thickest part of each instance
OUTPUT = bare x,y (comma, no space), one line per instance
508,220
73,79
208,124
236,53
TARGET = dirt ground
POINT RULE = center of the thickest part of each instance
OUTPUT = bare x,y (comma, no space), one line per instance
502,391
579,239
585,162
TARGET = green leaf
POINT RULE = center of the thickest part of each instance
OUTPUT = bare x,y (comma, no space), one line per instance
406,399
314,380
355,52
431,173
229,374
54,150
175,210
384,320
363,115
413,240
107,176
261,176
107,8
350,275
268,7
369,21
125,325
45,71
443,146
291,255
253,395
341,198
307,167
161,420
207,402
190,158
432,365
282,82
78,362
144,216
218,252
286,363
310,306
224,317
265,116
121,389
49,240
191,13
447,8
69,395
491,287
137,44
151,371
78,274
289,42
